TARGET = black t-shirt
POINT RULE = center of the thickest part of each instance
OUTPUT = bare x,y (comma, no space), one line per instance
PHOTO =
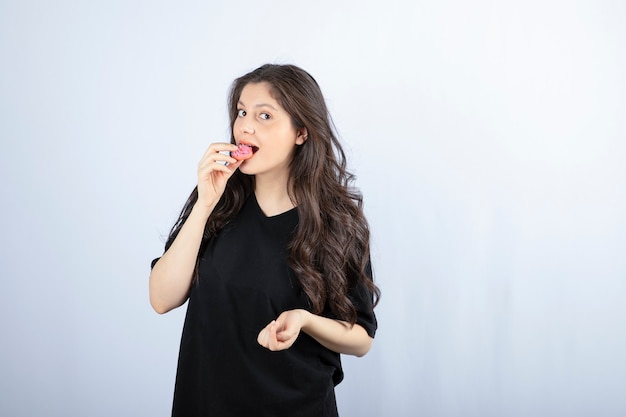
244,283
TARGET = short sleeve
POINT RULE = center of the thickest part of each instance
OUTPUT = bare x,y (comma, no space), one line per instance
363,301
154,261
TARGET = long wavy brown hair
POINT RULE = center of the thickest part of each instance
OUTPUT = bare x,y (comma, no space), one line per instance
329,251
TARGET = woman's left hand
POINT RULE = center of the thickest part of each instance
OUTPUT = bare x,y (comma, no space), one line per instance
281,333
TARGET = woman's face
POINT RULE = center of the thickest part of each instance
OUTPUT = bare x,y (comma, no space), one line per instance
262,123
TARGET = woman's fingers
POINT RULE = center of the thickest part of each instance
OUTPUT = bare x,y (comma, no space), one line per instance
267,337
273,343
214,169
264,335
277,336
219,147
206,170
218,152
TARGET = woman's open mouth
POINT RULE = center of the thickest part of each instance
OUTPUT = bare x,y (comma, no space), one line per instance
244,151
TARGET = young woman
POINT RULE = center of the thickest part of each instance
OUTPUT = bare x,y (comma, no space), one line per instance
272,253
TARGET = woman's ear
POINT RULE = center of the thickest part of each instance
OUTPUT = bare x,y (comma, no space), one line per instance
303,135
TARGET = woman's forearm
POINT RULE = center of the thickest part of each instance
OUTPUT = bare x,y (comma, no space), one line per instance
170,279
337,335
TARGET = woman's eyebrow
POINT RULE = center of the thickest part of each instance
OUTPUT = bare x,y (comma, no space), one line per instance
259,105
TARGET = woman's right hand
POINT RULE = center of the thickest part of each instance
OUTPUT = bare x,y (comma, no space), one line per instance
213,173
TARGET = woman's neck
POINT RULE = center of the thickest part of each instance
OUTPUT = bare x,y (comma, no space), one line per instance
272,196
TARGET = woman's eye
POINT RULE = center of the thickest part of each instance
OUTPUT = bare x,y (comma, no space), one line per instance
241,113
265,116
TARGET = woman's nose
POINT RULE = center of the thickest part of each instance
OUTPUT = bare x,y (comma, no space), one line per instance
247,127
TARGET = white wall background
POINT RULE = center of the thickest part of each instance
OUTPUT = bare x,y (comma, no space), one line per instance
488,138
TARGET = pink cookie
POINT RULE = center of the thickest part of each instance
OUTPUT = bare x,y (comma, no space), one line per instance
243,152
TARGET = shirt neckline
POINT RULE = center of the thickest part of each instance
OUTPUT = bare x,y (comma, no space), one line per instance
259,210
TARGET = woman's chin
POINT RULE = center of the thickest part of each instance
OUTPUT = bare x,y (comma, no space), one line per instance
245,169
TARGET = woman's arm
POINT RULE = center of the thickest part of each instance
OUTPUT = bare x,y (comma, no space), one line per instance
335,335
170,279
